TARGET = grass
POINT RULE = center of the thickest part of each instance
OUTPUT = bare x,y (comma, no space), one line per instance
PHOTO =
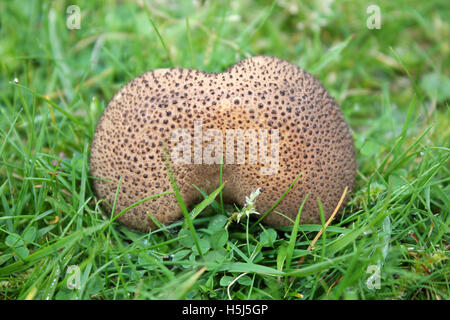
392,84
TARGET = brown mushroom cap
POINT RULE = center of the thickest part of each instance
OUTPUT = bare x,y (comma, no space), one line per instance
259,93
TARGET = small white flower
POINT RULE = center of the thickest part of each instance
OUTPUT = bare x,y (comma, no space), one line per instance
247,210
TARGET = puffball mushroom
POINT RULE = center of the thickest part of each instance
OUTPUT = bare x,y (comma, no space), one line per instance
290,124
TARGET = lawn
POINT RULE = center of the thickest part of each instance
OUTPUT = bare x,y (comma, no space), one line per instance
392,84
